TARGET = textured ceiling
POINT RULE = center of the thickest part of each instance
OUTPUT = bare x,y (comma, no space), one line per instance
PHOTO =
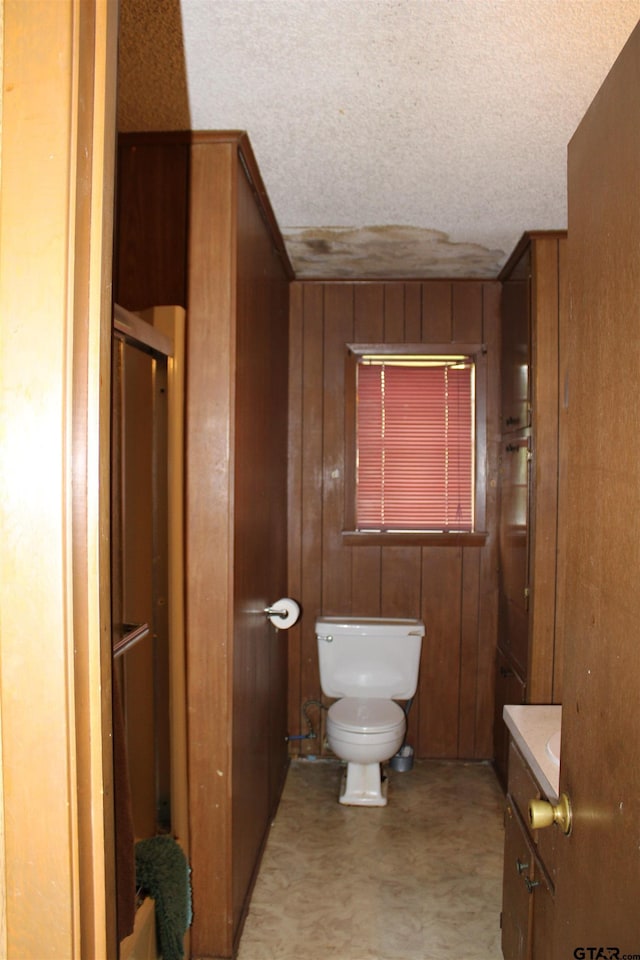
396,138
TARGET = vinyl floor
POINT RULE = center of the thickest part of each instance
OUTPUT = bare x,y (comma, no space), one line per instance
419,879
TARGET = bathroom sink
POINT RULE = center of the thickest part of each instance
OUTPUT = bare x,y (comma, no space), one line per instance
553,748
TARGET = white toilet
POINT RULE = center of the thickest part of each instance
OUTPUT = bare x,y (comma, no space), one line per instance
368,663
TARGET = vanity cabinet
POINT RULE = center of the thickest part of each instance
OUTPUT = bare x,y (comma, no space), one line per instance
529,870
532,305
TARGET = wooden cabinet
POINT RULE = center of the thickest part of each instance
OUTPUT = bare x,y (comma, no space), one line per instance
533,301
529,871
194,226
516,348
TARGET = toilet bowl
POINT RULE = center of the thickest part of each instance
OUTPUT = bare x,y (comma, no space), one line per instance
367,664
365,732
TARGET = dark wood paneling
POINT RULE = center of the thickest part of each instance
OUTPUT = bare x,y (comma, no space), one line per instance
488,607
150,263
466,314
394,331
436,311
412,312
336,562
294,495
370,309
440,667
454,588
310,452
399,587
469,651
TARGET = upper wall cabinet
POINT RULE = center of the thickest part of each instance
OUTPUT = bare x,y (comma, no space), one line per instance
533,303
515,351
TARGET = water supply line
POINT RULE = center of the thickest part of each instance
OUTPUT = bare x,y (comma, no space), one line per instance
311,734
407,707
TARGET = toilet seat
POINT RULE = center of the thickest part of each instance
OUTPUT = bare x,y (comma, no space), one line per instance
366,715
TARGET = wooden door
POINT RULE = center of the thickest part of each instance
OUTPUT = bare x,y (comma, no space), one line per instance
598,875
58,129
236,432
260,531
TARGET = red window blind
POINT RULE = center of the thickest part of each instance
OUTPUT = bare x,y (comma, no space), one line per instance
415,445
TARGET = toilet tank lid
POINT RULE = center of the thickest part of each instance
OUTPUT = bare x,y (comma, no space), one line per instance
370,626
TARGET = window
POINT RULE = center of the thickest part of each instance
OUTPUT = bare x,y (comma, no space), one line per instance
414,440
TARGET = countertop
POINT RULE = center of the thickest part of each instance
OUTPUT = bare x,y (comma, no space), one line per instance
531,726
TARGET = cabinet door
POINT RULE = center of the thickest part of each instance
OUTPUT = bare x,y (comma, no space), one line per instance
516,898
516,412
514,550
542,922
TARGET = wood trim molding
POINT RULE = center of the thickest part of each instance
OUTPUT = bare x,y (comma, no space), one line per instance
60,65
522,245
367,538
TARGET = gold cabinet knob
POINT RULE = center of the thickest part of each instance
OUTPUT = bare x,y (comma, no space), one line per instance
544,814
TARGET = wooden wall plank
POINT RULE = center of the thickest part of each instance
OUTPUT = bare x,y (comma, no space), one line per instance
294,496
488,603
412,312
369,313
400,587
469,652
369,326
436,311
440,666
394,312
311,507
338,330
401,596
466,312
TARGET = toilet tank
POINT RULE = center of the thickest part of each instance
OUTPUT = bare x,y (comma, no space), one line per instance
369,657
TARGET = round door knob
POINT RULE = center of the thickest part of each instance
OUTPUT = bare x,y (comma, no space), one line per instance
544,814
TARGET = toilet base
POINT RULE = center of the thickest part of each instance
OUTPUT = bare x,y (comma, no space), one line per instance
363,786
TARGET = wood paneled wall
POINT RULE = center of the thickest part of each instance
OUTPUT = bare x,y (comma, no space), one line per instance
452,587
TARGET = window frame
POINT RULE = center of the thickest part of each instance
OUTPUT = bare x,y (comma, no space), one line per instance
477,537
